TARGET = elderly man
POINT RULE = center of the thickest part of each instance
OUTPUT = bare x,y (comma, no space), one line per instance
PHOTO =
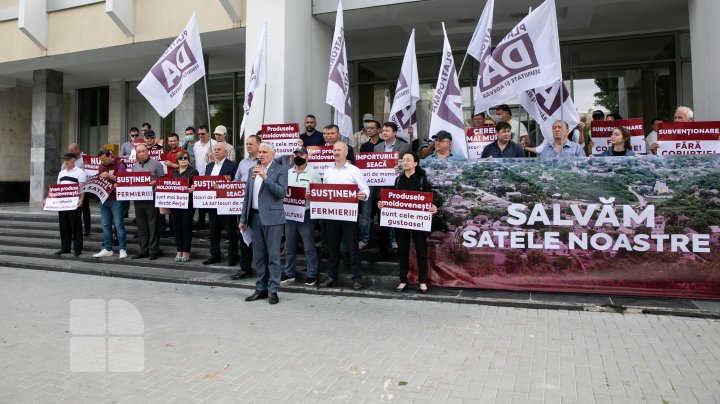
111,211
682,114
70,224
74,148
146,214
221,135
339,230
263,212
301,175
221,165
443,147
561,147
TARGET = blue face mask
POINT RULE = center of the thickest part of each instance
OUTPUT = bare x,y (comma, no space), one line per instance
365,124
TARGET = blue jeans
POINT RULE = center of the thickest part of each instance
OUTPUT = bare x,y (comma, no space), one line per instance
112,212
365,220
306,230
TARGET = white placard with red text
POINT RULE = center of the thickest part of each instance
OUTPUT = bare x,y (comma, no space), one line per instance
133,187
320,158
172,193
478,138
334,202
230,197
602,130
378,168
284,137
99,187
294,204
678,138
406,209
91,165
204,196
62,197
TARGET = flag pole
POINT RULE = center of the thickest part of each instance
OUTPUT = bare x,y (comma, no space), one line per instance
207,100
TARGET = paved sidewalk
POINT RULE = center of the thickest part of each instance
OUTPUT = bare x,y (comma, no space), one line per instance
205,344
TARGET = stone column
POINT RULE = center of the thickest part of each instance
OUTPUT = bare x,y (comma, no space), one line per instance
46,130
297,63
117,104
704,33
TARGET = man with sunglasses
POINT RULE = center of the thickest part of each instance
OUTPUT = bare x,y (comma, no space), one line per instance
127,147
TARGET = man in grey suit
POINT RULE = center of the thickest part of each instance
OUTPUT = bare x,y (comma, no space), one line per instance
389,144
263,212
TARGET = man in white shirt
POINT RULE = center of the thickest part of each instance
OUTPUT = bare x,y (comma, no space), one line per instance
200,150
70,224
339,230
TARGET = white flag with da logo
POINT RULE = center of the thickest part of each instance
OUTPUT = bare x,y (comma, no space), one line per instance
177,69
257,76
338,88
407,93
545,106
479,47
447,113
527,58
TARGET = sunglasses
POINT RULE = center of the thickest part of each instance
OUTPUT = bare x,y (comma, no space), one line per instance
183,158
488,124
133,135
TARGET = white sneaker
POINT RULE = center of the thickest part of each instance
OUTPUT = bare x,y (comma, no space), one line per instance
361,245
123,254
103,253
394,245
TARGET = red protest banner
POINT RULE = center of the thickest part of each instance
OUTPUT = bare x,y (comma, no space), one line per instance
602,130
294,203
378,168
99,187
230,197
172,193
406,209
677,138
334,201
91,165
204,195
478,138
284,137
133,187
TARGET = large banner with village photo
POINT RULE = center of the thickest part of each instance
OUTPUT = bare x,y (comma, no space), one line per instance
634,226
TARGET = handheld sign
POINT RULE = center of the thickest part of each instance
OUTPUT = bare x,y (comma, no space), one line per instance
230,197
133,187
334,202
284,137
62,197
676,138
204,195
478,138
172,193
91,165
406,209
294,204
602,130
320,158
378,168
99,187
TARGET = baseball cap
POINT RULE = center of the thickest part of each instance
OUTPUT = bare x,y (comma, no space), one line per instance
149,133
67,156
221,129
598,112
368,117
443,134
300,149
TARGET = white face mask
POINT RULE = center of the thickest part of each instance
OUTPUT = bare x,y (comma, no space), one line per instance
189,137
365,124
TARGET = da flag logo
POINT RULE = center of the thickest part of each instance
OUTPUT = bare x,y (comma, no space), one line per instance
177,69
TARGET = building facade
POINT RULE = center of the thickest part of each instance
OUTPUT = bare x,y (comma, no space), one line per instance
69,68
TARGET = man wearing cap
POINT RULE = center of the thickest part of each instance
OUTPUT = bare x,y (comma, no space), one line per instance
443,147
221,137
301,175
311,137
362,136
150,140
74,148
111,211
70,224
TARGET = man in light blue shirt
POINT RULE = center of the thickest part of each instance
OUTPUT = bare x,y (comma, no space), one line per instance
562,147
443,146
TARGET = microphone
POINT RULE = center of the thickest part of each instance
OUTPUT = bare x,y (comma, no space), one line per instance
256,165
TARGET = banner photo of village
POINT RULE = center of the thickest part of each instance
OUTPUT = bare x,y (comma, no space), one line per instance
634,226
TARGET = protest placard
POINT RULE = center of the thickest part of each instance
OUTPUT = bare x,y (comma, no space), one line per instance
602,130
678,138
478,138
230,197
133,186
204,195
294,203
284,137
378,168
334,202
62,197
406,209
172,193
320,158
99,187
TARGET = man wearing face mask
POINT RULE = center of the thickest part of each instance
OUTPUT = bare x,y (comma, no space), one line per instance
301,175
188,142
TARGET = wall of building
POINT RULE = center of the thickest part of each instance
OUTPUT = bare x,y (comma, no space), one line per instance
15,139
